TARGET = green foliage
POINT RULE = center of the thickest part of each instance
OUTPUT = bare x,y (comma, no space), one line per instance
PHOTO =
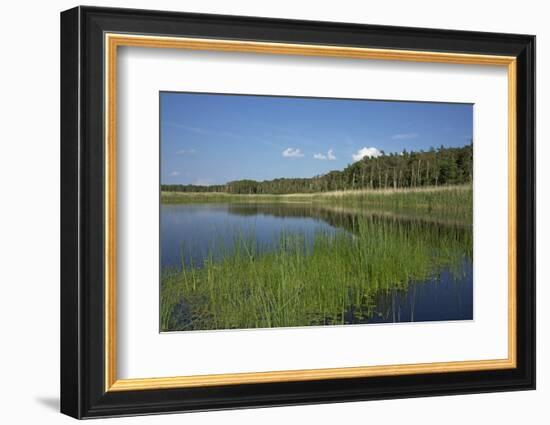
444,203
390,242
298,284
444,166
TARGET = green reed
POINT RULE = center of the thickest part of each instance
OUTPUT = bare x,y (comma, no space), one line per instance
295,283
449,202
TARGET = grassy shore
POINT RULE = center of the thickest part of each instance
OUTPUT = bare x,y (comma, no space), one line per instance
442,202
422,193
300,284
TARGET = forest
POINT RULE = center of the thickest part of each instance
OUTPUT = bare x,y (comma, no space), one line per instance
435,167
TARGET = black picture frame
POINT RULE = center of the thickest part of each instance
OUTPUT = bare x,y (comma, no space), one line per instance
83,392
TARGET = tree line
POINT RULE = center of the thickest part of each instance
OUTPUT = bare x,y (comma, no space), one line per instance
435,167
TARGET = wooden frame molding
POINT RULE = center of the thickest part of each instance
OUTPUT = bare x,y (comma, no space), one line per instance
111,43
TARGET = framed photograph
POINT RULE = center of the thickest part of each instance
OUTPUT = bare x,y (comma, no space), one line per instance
261,212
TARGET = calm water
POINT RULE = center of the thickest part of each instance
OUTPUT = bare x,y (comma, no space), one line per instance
444,298
190,233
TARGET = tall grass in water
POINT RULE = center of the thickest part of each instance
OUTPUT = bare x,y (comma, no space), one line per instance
450,202
297,283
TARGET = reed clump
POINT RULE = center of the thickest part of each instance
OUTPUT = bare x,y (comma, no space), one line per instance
296,283
444,201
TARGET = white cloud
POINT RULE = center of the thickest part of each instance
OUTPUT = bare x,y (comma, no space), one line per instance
330,156
292,153
366,152
404,136
204,131
186,152
175,173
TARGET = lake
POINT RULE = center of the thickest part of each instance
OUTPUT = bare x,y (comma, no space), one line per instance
431,281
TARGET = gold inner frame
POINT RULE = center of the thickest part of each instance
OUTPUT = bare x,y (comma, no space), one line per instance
113,41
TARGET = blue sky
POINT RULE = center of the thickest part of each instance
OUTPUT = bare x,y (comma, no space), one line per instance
212,139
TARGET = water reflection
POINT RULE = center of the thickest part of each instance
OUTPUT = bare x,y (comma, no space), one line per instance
188,232
193,234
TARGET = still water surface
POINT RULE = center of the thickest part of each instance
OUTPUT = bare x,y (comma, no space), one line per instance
191,233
